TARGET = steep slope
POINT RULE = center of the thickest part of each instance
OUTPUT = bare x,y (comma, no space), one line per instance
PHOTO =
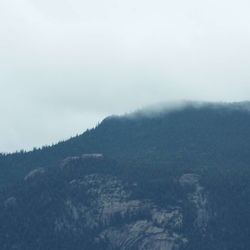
81,204
207,135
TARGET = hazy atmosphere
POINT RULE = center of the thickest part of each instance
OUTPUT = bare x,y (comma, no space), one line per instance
67,64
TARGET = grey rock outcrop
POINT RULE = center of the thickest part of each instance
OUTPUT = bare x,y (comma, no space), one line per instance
199,198
34,173
121,222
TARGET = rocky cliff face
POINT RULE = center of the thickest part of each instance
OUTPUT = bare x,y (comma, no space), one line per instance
95,211
121,222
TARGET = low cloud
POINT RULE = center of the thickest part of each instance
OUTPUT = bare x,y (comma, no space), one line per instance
67,64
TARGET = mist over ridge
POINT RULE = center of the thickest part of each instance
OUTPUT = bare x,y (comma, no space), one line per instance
164,108
161,109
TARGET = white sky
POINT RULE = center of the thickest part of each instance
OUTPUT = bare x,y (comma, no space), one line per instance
66,64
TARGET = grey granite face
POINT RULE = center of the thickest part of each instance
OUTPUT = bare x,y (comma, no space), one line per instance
121,222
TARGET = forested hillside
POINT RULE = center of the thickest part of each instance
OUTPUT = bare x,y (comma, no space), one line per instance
167,180
205,135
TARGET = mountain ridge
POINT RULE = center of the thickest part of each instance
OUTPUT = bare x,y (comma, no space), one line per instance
184,135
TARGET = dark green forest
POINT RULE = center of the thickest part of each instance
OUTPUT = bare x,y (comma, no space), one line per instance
208,135
212,141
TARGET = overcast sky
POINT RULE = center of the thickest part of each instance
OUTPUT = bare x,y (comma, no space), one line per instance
66,64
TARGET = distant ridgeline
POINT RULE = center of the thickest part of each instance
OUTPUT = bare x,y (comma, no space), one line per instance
193,134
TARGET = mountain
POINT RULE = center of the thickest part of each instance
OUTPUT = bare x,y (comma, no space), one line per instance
204,134
168,179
